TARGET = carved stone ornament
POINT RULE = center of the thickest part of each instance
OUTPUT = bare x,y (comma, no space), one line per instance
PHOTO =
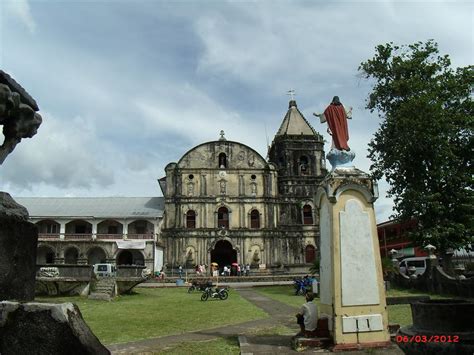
18,114
251,160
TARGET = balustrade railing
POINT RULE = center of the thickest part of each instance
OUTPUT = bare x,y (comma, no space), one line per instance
109,236
140,236
78,236
89,236
48,235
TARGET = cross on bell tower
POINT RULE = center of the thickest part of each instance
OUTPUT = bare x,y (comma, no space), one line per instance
291,93
222,138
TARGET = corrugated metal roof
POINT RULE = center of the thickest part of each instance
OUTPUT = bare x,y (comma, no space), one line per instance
99,207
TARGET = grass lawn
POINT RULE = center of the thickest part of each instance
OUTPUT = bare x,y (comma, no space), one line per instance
399,314
157,312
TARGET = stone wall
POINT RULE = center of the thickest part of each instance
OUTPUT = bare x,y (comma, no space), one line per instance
435,280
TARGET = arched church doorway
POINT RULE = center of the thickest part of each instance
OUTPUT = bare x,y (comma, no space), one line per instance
223,254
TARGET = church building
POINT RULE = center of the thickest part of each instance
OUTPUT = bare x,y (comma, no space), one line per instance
225,203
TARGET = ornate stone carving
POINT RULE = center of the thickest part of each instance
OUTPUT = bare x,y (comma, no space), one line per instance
17,114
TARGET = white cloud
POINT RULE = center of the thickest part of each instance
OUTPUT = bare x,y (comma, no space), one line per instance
188,112
21,10
65,153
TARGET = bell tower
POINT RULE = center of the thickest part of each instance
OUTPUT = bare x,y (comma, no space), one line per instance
297,151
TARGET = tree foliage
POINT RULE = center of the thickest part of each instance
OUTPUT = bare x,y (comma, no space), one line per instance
424,145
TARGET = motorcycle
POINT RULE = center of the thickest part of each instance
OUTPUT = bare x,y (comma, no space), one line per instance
220,293
196,286
302,286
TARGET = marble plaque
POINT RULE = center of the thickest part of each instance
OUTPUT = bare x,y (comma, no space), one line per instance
358,268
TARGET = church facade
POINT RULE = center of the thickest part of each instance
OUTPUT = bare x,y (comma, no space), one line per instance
225,203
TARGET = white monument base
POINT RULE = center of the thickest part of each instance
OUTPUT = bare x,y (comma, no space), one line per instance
352,290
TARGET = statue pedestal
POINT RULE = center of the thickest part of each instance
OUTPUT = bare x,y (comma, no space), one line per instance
352,289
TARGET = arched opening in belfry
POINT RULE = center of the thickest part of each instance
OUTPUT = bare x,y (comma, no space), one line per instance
222,161
303,165
223,254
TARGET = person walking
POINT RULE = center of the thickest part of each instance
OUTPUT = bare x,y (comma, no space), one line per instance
247,270
180,271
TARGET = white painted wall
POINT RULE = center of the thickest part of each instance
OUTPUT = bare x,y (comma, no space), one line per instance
158,258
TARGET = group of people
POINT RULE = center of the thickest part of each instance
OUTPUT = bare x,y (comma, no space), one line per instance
227,270
160,274
201,270
236,270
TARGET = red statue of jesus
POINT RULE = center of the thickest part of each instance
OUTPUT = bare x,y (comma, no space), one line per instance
336,117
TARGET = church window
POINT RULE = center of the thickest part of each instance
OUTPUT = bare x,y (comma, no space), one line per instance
253,177
191,176
191,219
303,165
310,254
112,229
222,161
254,219
307,215
222,218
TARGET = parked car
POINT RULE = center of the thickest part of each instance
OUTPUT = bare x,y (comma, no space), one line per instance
105,270
418,264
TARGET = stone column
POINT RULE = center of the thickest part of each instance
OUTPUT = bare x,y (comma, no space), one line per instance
62,230
59,256
352,288
94,229
125,228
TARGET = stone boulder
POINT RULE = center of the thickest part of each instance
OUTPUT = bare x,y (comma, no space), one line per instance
18,244
41,328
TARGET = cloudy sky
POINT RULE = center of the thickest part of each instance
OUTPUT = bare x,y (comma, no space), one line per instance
125,87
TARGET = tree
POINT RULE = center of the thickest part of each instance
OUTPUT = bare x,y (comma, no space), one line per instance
424,145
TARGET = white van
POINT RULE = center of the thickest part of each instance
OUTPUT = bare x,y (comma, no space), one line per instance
105,270
419,263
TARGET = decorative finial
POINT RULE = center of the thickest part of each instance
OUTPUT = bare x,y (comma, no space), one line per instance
291,94
222,138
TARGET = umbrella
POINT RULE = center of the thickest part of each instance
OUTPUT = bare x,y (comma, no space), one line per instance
235,264
216,264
